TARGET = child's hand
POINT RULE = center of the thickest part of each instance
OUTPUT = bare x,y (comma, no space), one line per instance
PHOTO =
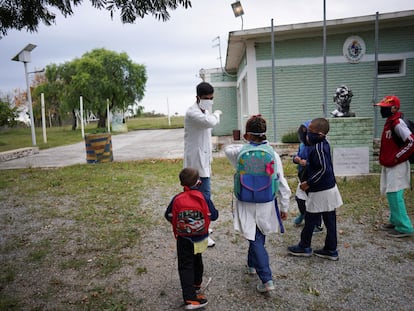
283,215
296,159
302,162
304,186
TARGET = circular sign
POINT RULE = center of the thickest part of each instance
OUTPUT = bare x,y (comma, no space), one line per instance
354,49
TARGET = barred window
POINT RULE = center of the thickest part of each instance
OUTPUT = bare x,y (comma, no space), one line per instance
390,67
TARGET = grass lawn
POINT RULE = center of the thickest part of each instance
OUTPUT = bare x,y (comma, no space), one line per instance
15,138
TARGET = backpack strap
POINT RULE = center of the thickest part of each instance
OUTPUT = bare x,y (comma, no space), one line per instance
279,219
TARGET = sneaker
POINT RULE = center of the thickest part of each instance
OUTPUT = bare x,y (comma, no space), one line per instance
317,229
210,242
324,253
298,220
386,227
296,250
265,287
199,302
397,234
251,271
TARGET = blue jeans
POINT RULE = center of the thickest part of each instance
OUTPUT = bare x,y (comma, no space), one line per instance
205,187
258,258
312,220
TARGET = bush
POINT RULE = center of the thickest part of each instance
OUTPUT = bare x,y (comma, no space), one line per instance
291,137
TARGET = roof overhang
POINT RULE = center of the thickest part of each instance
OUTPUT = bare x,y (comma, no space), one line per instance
237,39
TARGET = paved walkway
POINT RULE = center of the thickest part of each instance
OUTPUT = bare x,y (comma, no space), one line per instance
134,145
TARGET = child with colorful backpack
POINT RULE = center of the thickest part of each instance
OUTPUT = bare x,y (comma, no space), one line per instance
190,213
258,179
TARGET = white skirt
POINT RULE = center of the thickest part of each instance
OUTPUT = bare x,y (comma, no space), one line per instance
324,201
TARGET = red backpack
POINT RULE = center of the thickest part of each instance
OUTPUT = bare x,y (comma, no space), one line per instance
190,214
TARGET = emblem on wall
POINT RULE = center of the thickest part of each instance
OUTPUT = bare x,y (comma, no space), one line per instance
354,49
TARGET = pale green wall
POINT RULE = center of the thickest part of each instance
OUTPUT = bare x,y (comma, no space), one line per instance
225,99
299,89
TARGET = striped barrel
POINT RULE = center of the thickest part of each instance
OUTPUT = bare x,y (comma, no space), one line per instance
98,148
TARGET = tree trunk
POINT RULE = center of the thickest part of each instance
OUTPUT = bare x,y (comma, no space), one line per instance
74,121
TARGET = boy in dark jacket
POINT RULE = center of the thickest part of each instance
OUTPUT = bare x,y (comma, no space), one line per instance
191,231
323,194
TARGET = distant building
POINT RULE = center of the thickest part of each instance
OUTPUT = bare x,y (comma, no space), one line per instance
244,86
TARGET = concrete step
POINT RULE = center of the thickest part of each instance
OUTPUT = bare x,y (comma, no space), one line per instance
18,153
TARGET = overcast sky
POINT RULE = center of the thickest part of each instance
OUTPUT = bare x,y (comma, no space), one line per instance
173,51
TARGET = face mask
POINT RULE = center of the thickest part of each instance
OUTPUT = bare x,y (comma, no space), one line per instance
386,112
205,104
313,138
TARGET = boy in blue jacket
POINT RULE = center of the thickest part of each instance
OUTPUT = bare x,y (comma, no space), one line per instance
300,158
323,194
191,231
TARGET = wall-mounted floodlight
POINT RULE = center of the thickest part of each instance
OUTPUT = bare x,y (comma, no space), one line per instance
238,10
25,57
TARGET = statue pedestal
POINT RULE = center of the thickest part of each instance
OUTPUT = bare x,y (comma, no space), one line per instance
351,141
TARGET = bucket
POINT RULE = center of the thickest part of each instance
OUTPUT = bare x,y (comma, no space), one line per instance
236,134
98,148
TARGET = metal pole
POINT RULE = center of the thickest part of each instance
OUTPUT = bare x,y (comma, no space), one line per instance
107,113
29,97
42,100
375,93
81,116
325,87
273,82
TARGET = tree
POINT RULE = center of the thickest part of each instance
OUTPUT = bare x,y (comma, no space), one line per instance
27,14
8,115
100,76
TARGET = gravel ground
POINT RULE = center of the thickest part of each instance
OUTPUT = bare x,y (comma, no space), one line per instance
374,272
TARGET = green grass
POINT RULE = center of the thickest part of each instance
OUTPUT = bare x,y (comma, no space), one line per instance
15,138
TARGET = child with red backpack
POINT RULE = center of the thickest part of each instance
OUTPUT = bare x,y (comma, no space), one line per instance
259,178
190,213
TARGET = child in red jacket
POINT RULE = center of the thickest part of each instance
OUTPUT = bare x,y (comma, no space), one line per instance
397,145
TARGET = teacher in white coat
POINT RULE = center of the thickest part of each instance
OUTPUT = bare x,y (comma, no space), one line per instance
198,122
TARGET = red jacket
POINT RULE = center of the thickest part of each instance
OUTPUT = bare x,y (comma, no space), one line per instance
393,151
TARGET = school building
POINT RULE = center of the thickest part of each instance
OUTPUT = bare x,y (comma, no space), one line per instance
373,55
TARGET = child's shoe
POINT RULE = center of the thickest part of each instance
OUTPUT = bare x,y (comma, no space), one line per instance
199,302
298,251
265,287
317,229
250,271
397,234
211,242
386,227
324,253
299,219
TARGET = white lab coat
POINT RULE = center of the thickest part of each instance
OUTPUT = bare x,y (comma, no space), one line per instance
197,139
248,216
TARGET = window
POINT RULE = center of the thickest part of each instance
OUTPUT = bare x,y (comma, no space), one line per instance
391,68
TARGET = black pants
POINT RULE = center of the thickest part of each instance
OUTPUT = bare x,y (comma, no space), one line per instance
302,209
190,267
311,220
